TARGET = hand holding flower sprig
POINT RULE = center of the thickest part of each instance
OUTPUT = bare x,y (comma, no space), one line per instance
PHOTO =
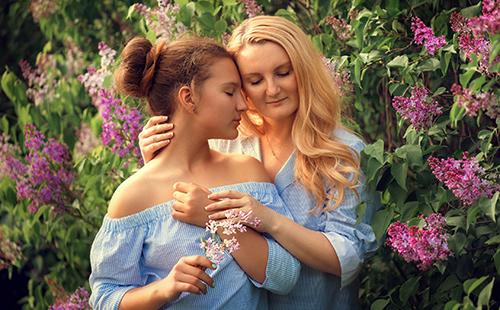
234,222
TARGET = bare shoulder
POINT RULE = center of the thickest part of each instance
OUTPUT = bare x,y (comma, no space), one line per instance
247,168
130,197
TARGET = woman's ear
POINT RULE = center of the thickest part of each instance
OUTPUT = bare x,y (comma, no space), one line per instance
186,99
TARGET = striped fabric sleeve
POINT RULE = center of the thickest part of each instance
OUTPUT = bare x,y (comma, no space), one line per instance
283,269
114,259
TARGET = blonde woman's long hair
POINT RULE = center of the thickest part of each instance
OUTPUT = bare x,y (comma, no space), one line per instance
321,160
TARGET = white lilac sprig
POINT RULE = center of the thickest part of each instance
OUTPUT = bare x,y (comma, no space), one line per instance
235,222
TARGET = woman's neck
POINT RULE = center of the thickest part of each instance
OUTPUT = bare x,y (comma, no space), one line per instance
187,150
279,131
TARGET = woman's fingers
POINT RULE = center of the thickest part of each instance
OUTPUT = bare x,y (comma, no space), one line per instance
217,216
180,196
198,273
199,261
226,194
152,148
225,204
157,129
154,120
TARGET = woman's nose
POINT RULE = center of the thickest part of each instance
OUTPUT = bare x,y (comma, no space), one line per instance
272,88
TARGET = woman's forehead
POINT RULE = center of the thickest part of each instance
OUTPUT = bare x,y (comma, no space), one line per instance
261,56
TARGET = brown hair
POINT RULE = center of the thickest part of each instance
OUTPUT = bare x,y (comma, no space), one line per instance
157,72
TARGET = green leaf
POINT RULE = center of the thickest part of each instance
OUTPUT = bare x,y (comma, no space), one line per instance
485,295
379,304
430,64
496,259
465,77
445,62
220,26
472,214
204,7
130,11
412,153
357,71
457,242
457,113
471,11
381,221
472,284
376,150
186,13
207,21
493,240
452,305
400,171
408,289
398,62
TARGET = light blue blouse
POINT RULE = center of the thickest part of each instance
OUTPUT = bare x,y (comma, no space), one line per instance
136,250
352,240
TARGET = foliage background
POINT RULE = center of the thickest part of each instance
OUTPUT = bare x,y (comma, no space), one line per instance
375,58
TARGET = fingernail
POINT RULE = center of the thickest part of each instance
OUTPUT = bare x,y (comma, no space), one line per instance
166,117
214,266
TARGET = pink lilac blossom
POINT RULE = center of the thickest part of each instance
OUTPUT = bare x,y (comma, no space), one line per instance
40,84
340,27
235,221
424,35
74,58
41,9
252,8
473,33
78,300
463,177
10,252
44,177
419,109
341,77
473,102
87,141
423,246
162,19
121,125
93,79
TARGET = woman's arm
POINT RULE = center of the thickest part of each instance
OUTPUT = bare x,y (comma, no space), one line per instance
189,207
186,276
308,246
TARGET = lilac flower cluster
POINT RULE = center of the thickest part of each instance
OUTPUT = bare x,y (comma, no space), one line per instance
10,252
423,246
235,222
463,177
86,140
473,33
424,35
46,177
475,102
40,84
121,125
41,9
340,27
74,58
252,8
162,19
419,109
93,79
341,77
78,300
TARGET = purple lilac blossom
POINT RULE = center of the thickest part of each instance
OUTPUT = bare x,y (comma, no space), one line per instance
46,177
463,177
252,8
424,35
40,84
86,140
121,125
419,109
78,300
235,221
423,246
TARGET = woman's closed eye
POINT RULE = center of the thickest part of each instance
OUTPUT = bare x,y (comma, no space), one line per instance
283,73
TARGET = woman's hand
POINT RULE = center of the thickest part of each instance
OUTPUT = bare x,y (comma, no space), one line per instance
190,202
154,136
188,275
231,199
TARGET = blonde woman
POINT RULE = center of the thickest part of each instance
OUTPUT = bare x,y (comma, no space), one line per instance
293,126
